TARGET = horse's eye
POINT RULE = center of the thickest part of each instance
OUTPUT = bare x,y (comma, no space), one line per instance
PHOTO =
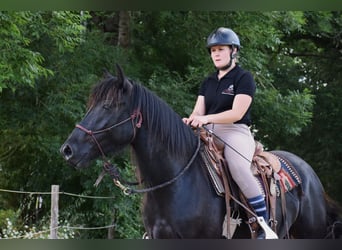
106,106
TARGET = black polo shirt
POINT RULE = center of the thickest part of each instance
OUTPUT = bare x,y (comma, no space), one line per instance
219,94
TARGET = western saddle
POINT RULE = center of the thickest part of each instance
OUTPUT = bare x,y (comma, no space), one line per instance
264,165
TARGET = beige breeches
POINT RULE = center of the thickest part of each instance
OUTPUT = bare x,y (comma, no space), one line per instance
238,151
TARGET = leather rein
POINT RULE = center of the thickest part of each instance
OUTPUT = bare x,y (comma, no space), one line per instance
112,169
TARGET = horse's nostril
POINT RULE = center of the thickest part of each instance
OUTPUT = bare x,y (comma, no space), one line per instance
66,151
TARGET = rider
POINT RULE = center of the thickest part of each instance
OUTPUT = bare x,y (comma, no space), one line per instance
224,104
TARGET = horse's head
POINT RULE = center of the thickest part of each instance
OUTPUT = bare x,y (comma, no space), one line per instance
108,126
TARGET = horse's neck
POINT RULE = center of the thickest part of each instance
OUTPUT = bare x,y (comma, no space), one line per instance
154,160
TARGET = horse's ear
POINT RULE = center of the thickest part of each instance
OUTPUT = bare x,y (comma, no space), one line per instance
106,73
122,81
120,75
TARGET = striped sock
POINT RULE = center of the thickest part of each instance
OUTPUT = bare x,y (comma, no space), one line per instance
259,205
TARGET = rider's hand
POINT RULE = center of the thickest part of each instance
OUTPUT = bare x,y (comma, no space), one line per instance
196,120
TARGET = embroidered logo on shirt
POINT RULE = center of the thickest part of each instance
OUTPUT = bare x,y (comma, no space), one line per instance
229,90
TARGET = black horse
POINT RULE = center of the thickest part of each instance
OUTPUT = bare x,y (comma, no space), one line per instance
180,201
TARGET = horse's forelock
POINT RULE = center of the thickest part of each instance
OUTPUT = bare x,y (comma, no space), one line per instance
105,89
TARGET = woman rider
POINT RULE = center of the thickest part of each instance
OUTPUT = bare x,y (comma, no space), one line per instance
224,106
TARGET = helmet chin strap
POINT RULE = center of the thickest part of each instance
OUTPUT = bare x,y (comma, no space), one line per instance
227,66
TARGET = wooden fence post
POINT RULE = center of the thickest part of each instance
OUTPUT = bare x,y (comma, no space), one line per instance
54,211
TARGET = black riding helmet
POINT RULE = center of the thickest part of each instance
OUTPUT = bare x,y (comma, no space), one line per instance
223,36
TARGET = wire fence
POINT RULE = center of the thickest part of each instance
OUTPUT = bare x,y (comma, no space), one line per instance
61,192
55,228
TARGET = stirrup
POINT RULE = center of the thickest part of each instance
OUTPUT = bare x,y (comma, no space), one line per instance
269,233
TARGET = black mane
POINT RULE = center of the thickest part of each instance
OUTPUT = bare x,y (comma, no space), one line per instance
163,123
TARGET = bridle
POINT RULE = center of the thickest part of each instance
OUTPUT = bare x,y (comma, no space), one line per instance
108,167
136,120
135,115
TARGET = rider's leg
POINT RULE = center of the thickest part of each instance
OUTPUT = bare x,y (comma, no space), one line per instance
239,152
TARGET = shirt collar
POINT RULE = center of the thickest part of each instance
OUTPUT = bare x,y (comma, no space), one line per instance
231,73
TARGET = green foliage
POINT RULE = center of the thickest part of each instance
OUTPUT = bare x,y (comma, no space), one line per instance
18,64
280,116
7,215
159,39
318,48
167,85
22,56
